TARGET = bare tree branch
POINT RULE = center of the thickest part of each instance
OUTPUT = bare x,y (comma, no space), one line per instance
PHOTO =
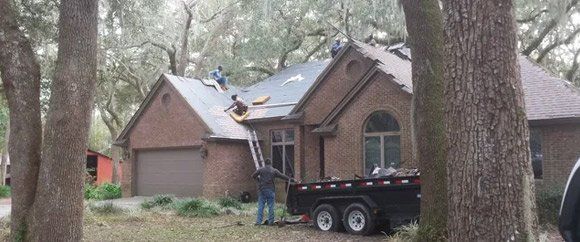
572,73
260,69
544,52
533,17
549,27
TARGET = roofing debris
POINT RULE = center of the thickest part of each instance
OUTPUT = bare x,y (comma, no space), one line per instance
381,173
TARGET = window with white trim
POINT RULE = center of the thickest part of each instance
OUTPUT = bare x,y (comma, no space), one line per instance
283,150
382,141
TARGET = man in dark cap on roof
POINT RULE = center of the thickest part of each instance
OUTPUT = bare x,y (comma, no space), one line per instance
240,107
217,76
335,48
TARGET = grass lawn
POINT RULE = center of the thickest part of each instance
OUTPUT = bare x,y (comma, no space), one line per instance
160,224
164,226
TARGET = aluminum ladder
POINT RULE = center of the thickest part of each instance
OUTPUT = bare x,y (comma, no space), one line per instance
255,149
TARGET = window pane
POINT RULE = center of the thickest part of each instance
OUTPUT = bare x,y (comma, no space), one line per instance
289,135
289,165
536,152
277,153
381,122
392,151
276,136
372,153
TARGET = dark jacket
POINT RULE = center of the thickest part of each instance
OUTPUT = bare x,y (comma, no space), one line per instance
266,175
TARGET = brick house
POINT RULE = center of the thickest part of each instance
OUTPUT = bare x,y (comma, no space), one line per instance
325,118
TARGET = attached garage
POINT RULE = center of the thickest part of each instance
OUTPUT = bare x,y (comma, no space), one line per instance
169,171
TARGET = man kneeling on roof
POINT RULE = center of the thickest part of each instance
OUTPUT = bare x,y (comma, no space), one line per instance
240,107
217,76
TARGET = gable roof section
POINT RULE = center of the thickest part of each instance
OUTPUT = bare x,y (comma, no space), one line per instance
398,68
204,101
122,138
209,105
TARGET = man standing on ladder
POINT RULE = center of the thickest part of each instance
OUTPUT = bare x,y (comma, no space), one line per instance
266,190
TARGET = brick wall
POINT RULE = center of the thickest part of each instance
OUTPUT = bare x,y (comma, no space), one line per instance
344,152
335,86
560,149
161,125
228,169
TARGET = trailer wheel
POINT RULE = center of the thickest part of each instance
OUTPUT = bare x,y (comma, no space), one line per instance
326,218
357,219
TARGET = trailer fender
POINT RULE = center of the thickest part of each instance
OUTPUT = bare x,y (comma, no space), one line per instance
341,202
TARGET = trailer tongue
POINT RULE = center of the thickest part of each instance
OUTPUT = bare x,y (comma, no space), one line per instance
358,206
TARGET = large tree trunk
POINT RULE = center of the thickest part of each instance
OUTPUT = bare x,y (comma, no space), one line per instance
4,161
58,207
21,79
490,182
425,28
183,57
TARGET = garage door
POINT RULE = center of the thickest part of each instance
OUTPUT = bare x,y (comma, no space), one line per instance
175,171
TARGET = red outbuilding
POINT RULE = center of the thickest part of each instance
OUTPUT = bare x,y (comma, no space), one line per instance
101,167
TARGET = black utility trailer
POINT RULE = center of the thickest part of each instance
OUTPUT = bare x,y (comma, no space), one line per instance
359,206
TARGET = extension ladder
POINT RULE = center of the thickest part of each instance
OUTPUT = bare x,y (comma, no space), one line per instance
254,144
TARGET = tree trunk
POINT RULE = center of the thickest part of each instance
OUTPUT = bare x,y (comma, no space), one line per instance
5,155
58,207
182,64
490,180
21,80
425,27
116,156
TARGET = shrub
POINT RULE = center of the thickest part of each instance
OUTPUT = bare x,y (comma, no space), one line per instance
158,201
90,191
108,191
4,191
105,208
405,233
548,200
196,208
229,202
103,192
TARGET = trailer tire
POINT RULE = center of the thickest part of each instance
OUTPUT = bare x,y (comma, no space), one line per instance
357,219
326,218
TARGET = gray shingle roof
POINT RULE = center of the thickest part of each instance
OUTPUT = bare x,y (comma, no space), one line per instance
286,86
285,89
209,106
391,64
546,97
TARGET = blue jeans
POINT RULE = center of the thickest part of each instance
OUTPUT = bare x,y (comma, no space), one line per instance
266,195
222,80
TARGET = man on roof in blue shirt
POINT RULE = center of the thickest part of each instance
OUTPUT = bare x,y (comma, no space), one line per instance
335,48
217,76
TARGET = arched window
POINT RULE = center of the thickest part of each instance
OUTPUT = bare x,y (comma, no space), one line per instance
382,141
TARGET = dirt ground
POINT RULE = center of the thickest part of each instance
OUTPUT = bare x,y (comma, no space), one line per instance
159,225
151,226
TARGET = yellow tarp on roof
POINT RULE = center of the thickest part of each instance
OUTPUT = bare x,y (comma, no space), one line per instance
239,118
261,100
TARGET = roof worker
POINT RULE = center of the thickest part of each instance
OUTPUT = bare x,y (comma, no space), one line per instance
335,48
240,107
266,191
217,76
